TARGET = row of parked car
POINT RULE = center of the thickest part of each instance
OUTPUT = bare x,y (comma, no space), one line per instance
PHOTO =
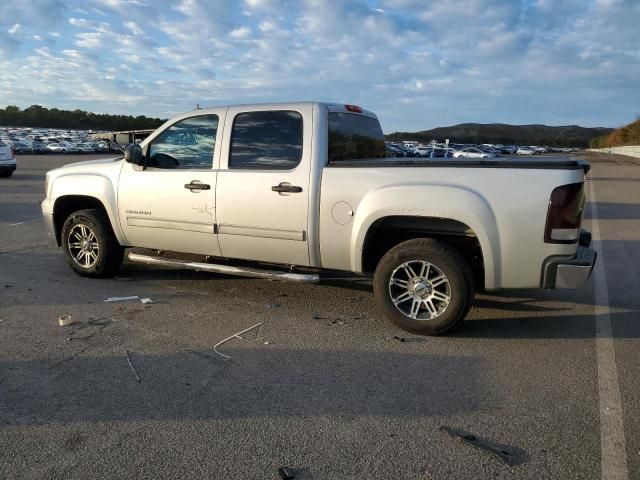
460,150
47,141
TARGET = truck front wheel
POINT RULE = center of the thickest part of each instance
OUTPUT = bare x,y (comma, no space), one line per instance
89,245
424,286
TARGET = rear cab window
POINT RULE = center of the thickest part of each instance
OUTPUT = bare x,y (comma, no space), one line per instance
354,137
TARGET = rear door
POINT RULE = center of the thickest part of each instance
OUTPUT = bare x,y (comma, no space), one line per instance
262,193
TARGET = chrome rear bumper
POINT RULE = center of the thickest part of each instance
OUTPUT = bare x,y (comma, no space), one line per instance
559,272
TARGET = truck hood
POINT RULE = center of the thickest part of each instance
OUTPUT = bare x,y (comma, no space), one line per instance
104,167
93,163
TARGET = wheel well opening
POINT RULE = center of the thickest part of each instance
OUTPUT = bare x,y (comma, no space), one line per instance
388,232
68,204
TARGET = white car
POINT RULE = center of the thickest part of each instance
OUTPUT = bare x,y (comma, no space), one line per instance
525,151
422,151
62,147
472,152
86,148
7,160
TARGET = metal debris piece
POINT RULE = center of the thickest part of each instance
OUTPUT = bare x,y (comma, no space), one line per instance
503,453
286,473
146,300
122,299
133,370
399,338
66,320
235,335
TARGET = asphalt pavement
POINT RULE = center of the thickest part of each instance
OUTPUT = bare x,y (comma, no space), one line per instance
323,387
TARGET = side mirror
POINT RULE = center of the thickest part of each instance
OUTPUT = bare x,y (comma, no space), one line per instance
133,154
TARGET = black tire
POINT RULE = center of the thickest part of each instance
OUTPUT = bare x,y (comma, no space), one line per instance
443,261
102,261
6,173
64,151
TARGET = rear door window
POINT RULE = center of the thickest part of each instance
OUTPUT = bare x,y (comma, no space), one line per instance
354,137
266,140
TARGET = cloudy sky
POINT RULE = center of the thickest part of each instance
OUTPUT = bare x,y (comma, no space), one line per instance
417,63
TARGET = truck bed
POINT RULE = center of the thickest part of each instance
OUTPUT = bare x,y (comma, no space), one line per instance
538,162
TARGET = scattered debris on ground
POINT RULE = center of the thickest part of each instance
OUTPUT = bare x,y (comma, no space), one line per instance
146,301
509,455
122,299
101,323
133,370
236,335
286,473
66,320
332,320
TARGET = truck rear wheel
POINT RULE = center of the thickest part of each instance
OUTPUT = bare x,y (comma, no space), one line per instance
424,286
89,245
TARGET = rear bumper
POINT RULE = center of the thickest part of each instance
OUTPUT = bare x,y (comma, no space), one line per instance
11,167
560,272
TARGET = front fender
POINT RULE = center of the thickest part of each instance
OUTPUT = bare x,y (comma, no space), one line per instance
438,201
93,185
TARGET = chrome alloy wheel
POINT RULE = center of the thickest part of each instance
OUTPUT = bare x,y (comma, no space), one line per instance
83,245
419,290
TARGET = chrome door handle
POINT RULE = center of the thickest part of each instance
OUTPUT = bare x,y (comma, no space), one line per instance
286,187
196,185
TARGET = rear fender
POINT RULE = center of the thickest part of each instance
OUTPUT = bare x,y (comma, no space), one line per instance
437,201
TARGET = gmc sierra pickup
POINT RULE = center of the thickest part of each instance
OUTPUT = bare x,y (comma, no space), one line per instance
286,190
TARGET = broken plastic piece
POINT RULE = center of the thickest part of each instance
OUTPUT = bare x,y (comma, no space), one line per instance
286,473
399,338
235,335
122,299
499,451
65,320
146,300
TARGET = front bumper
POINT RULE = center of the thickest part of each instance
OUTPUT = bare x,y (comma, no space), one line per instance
47,216
560,272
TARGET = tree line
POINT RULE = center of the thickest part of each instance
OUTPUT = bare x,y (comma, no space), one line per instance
38,116
627,135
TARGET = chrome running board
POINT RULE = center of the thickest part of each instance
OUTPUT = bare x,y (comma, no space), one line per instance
225,269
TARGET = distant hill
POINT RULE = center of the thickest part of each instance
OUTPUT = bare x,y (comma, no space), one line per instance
563,136
627,135
37,116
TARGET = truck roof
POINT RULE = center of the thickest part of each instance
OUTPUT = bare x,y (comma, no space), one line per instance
332,107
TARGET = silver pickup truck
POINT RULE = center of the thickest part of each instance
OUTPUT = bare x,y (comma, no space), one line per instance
287,190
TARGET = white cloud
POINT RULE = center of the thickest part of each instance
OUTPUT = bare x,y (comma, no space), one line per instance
15,28
89,40
414,62
133,27
240,32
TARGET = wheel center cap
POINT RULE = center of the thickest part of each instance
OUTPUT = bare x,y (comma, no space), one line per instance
421,288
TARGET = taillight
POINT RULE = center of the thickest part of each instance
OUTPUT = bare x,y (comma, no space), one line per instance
13,152
353,108
565,214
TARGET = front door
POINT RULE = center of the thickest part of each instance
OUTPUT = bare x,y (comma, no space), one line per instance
263,185
171,204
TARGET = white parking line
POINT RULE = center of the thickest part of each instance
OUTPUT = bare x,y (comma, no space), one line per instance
26,221
612,442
